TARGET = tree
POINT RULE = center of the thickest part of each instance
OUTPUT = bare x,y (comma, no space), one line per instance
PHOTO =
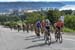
67,12
33,17
53,15
70,21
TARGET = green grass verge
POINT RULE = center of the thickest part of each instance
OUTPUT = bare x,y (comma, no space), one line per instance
68,30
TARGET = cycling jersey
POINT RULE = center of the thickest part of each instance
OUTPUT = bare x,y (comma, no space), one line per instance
47,22
43,24
38,24
59,24
47,25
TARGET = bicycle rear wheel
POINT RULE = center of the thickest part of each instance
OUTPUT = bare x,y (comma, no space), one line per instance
59,37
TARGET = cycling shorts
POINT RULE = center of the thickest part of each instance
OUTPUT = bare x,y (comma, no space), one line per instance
48,28
58,28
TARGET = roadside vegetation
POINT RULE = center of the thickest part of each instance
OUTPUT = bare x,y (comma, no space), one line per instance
52,15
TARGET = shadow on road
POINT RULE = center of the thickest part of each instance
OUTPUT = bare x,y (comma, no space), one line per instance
32,37
38,40
39,45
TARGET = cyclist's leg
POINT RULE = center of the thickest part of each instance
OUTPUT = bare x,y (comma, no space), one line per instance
62,30
49,36
45,36
56,34
27,28
42,30
37,32
23,28
61,39
60,36
18,28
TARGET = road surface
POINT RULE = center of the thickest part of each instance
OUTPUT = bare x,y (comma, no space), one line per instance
14,40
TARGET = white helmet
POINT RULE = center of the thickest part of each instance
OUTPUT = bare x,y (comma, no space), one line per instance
47,20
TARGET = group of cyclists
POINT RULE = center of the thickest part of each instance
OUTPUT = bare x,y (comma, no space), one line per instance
44,27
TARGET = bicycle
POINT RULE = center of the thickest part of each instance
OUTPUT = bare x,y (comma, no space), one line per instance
58,35
37,32
47,37
23,27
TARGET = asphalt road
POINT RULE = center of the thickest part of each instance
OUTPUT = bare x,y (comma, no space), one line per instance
14,40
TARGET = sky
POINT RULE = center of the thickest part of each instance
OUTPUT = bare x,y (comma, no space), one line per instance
34,0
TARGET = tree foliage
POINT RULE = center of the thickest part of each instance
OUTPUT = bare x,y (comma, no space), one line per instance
33,17
70,21
67,11
53,15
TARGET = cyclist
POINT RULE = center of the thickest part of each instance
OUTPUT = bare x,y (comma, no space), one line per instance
43,24
47,26
47,35
18,26
31,27
27,27
38,27
58,25
23,26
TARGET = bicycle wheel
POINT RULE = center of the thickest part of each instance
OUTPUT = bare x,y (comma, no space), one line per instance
47,38
61,38
49,41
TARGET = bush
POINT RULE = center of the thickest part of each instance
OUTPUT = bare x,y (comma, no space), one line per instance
70,21
53,15
68,30
33,17
10,24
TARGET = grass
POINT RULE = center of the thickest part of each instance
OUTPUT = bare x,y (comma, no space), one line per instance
68,30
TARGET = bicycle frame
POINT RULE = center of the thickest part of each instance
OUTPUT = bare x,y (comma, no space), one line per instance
47,37
58,36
